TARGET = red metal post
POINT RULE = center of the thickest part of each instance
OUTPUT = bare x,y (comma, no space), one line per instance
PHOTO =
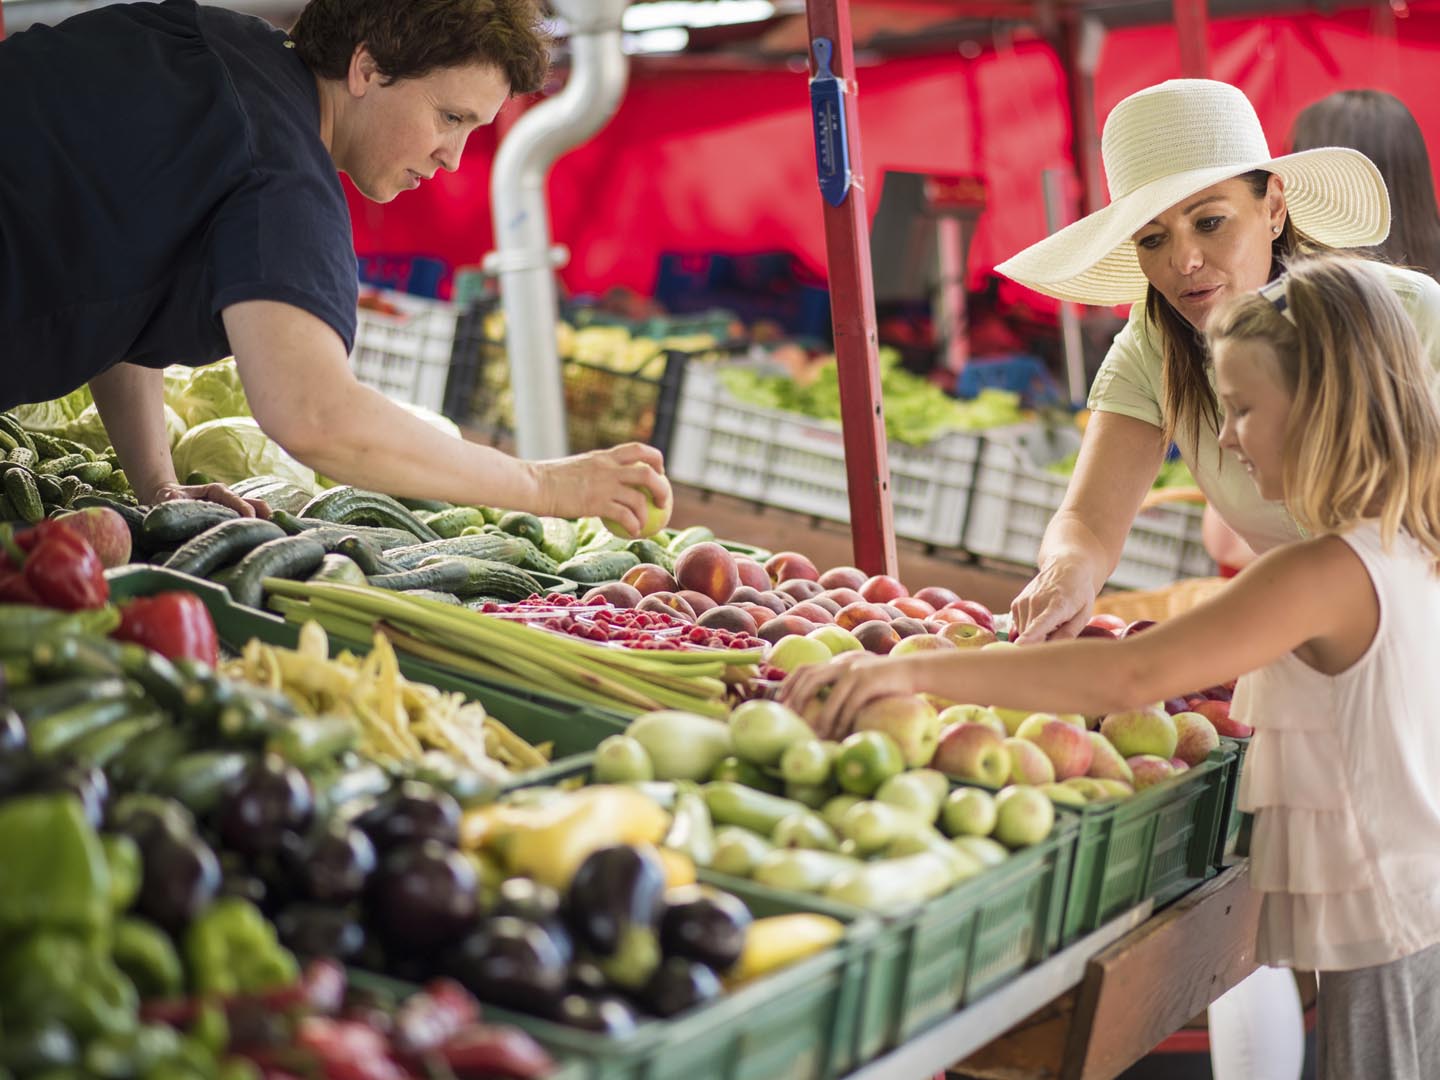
852,315
1192,27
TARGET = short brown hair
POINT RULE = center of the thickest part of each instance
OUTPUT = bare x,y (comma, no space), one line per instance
411,38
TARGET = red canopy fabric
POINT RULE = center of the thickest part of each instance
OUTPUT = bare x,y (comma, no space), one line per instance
706,161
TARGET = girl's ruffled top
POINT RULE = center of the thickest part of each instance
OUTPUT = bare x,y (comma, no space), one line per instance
1343,776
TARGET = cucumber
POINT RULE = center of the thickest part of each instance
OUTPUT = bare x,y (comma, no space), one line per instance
221,544
8,511
58,731
562,538
339,568
362,555
170,524
648,551
440,575
91,472
432,594
695,534
499,580
16,433
802,870
37,702
429,506
535,559
51,488
312,739
381,539
345,505
497,548
197,780
58,466
24,496
452,522
23,455
137,765
102,746
527,526
735,804
293,557
597,567
892,884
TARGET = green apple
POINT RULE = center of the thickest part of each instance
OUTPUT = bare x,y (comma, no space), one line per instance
1141,731
973,714
997,645
836,638
1105,761
1012,718
920,643
656,517
973,752
909,720
968,812
796,651
1115,789
1063,794
1088,788
1023,816
619,759
761,730
1028,763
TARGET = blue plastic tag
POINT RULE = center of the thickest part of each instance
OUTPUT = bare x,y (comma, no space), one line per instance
827,108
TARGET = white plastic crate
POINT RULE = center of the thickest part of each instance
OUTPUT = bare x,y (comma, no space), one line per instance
406,356
1015,497
795,463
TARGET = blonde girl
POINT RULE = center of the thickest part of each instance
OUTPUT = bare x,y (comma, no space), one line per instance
1327,405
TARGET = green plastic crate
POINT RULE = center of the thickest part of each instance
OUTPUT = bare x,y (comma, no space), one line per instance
1235,823
574,731
1158,843
790,1025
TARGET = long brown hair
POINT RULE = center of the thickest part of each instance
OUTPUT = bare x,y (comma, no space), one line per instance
1363,433
1383,129
411,38
1189,399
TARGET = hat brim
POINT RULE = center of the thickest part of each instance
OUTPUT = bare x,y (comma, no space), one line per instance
1334,195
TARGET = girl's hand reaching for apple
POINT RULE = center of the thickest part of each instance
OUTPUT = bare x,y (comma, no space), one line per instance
619,484
843,687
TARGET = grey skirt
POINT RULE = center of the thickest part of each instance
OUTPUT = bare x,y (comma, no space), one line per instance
1381,1023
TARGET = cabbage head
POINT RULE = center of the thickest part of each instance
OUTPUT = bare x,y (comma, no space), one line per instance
234,448
88,430
210,393
51,416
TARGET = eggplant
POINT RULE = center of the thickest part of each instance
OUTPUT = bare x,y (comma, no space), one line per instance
604,1014
410,813
679,984
423,894
320,930
614,906
511,962
265,804
182,876
706,925
333,865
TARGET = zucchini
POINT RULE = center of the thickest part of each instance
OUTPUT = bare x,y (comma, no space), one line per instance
340,569
493,546
170,524
102,746
37,702
24,495
198,779
221,544
452,522
57,732
439,575
597,567
528,526
58,466
289,522
292,557
309,740
347,505
362,555
146,756
562,538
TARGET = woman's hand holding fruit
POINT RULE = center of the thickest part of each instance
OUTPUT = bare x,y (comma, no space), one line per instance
829,695
625,484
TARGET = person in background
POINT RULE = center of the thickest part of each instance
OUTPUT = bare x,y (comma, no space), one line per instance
170,193
1384,130
1329,411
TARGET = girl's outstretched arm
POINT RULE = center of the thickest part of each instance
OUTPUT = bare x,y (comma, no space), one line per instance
1317,592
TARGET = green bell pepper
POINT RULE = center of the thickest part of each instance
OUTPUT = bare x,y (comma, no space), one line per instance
146,954
231,949
122,858
54,874
52,976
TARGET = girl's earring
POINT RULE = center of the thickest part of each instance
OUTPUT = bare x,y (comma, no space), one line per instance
1275,229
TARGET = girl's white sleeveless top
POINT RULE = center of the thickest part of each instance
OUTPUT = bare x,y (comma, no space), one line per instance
1343,775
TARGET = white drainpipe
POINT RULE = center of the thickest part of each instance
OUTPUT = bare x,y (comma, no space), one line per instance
523,257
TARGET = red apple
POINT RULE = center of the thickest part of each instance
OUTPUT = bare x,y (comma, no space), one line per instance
954,615
882,588
1091,630
936,596
1136,627
104,530
982,615
784,565
1113,623
913,606
1218,713
842,577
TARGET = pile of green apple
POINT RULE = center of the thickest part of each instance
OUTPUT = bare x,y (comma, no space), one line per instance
862,821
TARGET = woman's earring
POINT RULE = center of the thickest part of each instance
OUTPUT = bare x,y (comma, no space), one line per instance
1275,229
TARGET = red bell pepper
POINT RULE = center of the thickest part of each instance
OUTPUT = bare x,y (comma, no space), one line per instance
53,566
174,624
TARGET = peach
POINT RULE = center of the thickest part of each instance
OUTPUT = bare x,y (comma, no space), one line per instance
882,588
937,597
1113,623
759,612
784,565
649,578
699,602
752,573
817,614
708,568
784,625
954,615
908,627
876,637
852,615
843,596
800,588
728,617
747,594
615,592
842,577
667,603
916,609
784,599
829,603
1092,630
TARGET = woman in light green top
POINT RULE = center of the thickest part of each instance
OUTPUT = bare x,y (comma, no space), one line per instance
1200,211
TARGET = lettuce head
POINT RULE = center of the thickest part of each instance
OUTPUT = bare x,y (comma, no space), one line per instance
209,393
234,448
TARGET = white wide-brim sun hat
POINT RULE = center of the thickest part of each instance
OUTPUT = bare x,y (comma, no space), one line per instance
1169,141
